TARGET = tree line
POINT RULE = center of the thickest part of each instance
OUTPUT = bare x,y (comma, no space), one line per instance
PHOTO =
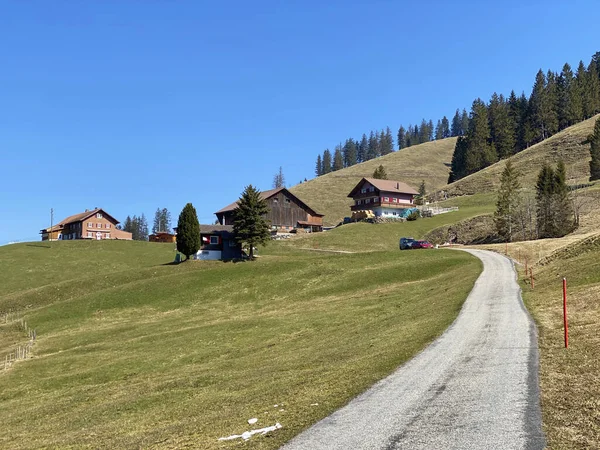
138,225
506,126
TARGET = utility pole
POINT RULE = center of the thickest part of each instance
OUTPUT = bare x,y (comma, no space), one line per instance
51,223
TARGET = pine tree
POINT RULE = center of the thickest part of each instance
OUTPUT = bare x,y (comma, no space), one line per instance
424,132
420,199
389,141
508,202
250,225
593,89
541,107
373,148
380,173
581,86
464,122
439,133
326,162
562,208
350,153
143,228
430,130
165,220
188,231
576,94
501,126
566,113
445,128
401,138
319,167
127,226
544,202
456,128
363,149
480,152
594,140
458,166
338,159
279,179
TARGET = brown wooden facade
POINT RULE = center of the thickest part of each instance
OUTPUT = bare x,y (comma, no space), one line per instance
286,212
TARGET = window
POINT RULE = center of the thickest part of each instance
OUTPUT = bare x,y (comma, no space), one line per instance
363,191
107,236
368,200
358,202
275,200
376,200
395,200
90,234
99,216
214,240
386,199
90,224
99,225
372,189
108,225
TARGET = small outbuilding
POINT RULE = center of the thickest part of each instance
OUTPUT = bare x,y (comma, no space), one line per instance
162,237
218,243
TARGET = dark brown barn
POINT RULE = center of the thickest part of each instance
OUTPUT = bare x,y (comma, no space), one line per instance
286,212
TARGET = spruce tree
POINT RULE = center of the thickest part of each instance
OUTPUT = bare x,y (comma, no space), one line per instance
279,179
350,153
326,162
464,122
127,226
562,208
319,167
439,133
250,225
338,159
401,138
363,149
581,86
480,151
458,166
508,202
566,113
501,126
380,173
544,191
593,89
445,127
456,127
165,220
157,222
594,140
143,228
420,199
373,148
188,232
389,140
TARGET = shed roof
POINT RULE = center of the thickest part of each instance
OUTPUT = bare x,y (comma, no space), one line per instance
268,194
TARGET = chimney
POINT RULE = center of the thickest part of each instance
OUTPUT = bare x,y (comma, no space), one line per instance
398,186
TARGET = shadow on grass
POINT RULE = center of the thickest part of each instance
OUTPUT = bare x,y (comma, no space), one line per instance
39,245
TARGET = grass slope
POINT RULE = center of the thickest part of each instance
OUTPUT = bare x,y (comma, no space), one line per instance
429,162
569,378
133,352
566,145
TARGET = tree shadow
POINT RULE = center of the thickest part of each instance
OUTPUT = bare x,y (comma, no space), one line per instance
39,245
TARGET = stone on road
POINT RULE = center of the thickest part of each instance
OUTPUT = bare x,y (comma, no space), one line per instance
475,387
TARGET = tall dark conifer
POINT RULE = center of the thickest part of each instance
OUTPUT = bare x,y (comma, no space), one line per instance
401,138
188,231
363,149
350,153
480,151
445,127
319,167
250,225
456,127
326,163
338,159
594,140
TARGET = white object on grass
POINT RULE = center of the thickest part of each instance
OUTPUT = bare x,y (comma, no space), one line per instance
248,434
252,421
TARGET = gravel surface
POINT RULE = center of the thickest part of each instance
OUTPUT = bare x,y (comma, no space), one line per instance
476,387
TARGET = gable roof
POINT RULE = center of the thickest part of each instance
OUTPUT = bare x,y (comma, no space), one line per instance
264,195
78,218
397,187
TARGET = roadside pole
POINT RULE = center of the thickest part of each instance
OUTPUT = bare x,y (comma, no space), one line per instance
566,324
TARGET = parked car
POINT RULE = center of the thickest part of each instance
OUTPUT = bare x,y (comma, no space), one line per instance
406,243
421,244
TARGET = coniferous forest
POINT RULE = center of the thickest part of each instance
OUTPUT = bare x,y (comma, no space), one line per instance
491,131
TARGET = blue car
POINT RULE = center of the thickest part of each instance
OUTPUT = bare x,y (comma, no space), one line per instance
406,243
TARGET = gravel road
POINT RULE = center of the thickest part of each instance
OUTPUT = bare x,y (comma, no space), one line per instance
476,387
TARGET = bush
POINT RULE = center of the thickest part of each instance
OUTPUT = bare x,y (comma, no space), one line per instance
413,216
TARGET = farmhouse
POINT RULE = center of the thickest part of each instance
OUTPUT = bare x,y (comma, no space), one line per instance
218,242
162,236
286,212
94,224
386,198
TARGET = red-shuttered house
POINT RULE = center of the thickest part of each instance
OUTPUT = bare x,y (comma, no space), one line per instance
386,198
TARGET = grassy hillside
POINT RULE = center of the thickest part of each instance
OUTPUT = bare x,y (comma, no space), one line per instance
569,378
429,162
135,352
566,145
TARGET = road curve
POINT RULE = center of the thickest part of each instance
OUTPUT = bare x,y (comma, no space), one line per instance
476,387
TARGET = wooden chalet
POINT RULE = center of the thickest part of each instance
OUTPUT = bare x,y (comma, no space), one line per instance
218,243
162,236
286,212
386,198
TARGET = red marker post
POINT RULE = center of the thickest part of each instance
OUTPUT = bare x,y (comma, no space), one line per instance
566,324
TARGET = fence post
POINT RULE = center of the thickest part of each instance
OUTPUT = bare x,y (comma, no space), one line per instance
532,282
566,324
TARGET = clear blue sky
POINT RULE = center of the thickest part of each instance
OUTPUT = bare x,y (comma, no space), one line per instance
134,105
